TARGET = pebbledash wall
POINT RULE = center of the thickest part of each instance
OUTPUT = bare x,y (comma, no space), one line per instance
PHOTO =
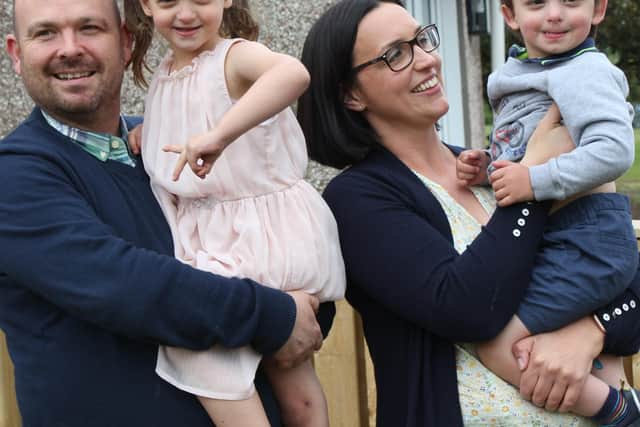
284,26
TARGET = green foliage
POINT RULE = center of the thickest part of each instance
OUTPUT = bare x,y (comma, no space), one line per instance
618,37
633,174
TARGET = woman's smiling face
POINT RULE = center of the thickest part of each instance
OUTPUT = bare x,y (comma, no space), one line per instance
412,96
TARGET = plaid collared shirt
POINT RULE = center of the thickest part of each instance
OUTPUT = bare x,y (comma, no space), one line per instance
102,146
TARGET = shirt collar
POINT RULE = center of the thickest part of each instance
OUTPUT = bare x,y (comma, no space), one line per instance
520,52
102,146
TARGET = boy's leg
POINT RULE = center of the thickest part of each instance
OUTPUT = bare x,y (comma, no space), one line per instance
236,413
299,394
496,354
598,400
621,408
610,369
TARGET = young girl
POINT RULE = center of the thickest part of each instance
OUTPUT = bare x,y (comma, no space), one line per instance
247,210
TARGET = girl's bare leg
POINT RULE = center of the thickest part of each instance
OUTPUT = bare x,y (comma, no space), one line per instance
299,394
236,413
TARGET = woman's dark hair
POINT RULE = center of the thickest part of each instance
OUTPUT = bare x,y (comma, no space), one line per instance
336,136
236,22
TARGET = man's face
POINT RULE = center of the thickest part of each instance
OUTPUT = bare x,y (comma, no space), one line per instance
71,55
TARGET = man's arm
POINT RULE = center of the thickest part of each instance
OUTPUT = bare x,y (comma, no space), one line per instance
58,248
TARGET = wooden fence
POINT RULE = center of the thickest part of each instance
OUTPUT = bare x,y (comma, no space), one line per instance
343,366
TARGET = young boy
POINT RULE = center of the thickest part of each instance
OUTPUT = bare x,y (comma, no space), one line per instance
589,252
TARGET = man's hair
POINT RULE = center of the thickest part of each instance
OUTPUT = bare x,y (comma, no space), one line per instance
509,4
116,11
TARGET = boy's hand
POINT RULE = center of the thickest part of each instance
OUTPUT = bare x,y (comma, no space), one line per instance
471,167
135,139
511,183
201,152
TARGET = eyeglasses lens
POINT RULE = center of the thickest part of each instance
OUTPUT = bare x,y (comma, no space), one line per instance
399,57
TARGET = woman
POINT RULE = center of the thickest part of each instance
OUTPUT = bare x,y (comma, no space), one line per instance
405,222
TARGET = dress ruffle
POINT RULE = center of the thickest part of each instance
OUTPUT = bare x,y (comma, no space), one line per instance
266,237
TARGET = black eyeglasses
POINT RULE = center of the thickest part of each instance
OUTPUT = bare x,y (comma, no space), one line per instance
400,55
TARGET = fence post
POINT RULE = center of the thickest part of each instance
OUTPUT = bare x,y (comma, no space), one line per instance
341,367
632,364
9,415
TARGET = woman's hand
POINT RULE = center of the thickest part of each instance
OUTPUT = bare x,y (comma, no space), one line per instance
201,152
556,364
549,140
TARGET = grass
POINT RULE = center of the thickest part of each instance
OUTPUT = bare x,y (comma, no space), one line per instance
629,183
633,174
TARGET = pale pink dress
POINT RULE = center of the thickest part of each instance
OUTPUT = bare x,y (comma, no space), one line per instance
253,216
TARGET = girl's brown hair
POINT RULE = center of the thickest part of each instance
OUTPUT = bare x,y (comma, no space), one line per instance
236,22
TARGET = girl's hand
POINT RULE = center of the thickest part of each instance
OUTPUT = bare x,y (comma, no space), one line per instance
201,152
471,167
135,139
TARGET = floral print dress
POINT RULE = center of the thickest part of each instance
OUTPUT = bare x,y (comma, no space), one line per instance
486,399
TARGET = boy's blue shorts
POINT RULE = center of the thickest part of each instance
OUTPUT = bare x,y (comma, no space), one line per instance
588,256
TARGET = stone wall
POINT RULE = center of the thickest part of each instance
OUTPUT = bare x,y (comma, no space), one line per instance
284,26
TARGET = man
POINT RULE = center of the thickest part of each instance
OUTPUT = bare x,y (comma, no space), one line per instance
88,284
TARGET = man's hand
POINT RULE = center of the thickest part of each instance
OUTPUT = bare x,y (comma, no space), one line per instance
306,336
471,167
511,183
556,364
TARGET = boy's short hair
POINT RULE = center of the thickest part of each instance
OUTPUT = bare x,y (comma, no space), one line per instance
509,4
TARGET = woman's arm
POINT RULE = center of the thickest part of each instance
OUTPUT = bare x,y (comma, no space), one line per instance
397,248
399,255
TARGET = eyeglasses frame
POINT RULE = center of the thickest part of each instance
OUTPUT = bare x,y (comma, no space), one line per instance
413,42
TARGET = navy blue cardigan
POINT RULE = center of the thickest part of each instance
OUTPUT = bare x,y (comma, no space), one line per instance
89,288
415,293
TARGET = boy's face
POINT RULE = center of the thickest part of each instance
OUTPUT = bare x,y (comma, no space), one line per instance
551,27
